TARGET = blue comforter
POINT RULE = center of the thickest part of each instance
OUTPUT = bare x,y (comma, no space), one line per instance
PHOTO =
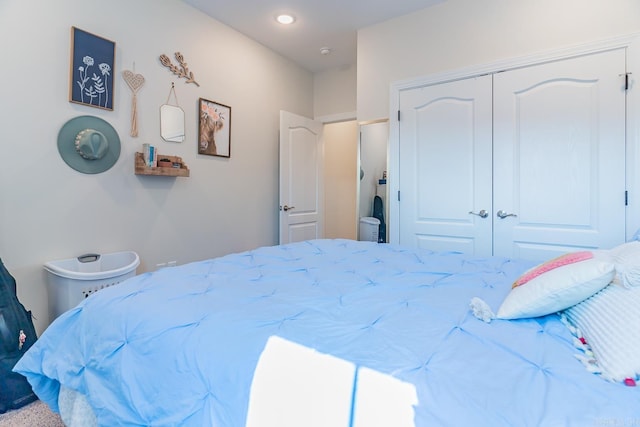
179,346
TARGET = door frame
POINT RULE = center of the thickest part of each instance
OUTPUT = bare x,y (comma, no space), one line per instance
324,121
629,42
361,124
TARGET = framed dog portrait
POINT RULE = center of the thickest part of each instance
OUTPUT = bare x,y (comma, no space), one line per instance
214,130
92,66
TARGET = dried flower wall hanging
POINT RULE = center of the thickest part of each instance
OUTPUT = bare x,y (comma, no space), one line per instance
182,70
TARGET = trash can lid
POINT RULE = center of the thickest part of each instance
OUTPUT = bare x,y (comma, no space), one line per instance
110,265
370,220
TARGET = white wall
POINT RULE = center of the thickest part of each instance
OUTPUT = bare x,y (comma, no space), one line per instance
334,103
335,93
462,33
340,179
48,211
458,36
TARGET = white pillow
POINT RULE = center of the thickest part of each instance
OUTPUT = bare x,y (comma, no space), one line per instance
610,323
569,280
626,258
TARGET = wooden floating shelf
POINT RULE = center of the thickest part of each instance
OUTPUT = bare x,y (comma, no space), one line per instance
142,169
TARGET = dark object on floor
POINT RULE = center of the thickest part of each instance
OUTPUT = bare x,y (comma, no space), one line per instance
17,334
378,212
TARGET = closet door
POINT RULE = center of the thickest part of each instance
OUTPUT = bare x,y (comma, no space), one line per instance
445,166
559,156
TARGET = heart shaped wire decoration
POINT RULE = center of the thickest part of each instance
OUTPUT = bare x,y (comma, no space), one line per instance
135,82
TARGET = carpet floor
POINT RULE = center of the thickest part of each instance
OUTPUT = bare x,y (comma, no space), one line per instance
35,414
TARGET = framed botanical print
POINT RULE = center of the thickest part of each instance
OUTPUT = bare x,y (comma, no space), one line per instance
92,65
214,130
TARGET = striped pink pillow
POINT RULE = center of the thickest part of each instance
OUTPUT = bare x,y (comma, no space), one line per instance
560,261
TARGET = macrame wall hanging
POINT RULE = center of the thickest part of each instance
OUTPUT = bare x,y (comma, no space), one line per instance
135,82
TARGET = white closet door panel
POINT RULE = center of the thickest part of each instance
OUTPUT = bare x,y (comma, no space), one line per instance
559,156
445,173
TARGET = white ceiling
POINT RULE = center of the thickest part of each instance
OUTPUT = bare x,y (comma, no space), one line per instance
319,23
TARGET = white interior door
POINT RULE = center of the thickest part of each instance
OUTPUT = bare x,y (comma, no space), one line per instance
301,178
559,156
445,166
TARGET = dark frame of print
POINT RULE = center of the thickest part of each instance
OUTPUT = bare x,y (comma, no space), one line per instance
92,68
214,129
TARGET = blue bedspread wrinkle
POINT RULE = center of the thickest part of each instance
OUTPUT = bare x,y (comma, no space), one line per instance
178,347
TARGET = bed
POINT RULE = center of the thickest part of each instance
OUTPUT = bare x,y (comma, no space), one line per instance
326,333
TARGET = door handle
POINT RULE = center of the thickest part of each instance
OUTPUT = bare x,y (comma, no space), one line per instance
288,208
482,214
503,214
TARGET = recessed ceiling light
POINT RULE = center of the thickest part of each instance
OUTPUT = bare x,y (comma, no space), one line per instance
325,50
285,19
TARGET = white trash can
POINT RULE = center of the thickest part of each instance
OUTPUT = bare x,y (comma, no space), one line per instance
369,229
72,280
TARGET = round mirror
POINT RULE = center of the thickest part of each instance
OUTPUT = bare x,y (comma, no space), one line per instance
171,123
